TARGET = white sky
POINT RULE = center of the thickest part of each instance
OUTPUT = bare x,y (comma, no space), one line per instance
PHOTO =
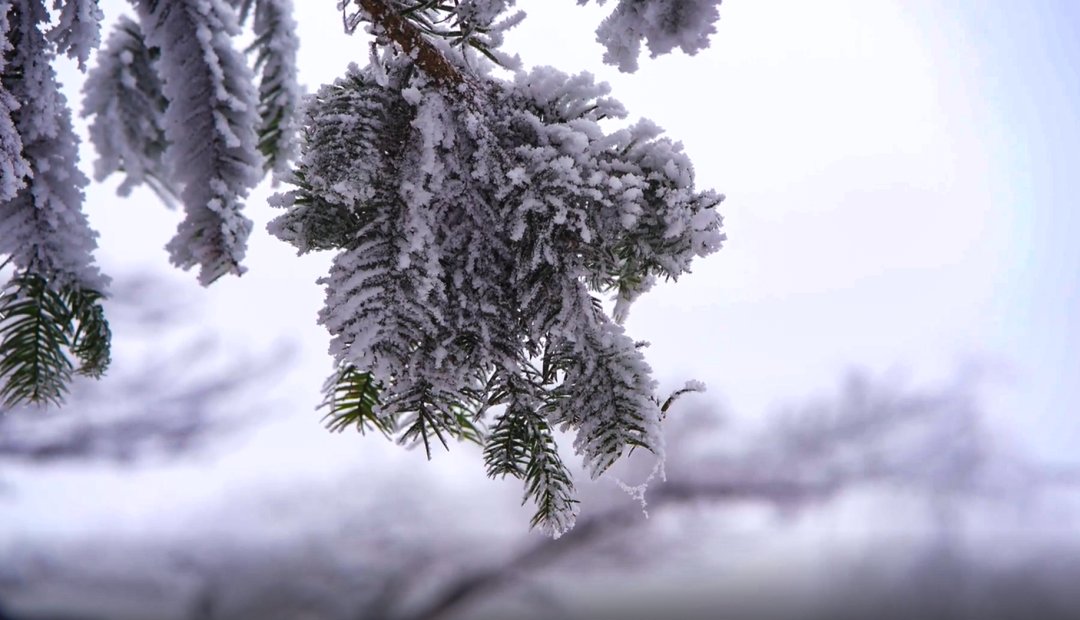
901,195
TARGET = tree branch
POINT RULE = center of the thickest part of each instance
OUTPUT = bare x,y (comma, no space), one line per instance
412,42
472,586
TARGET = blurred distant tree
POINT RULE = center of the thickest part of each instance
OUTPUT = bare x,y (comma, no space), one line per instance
475,218
378,561
169,404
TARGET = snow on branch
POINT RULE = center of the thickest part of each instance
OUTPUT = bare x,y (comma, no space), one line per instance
78,29
476,220
123,95
50,310
473,228
275,50
14,169
42,228
210,123
662,24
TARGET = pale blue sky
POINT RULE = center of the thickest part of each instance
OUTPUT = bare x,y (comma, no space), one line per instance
899,180
1028,64
1021,83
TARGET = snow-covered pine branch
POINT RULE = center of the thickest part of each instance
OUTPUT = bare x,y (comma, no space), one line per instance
14,169
124,98
475,219
51,305
275,50
78,29
662,24
210,122
174,106
471,227
43,229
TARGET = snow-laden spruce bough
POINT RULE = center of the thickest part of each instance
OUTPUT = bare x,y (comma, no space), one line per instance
474,218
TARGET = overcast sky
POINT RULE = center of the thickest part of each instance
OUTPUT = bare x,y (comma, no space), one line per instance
901,188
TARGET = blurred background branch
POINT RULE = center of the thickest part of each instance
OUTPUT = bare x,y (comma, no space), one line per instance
168,400
397,554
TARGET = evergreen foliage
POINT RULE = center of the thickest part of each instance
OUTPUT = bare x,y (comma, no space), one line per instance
210,124
39,327
172,105
476,220
50,309
124,98
43,230
662,24
521,444
77,31
472,232
14,169
275,50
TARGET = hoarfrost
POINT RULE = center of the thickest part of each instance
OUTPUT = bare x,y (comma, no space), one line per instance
471,239
663,24
78,29
42,227
212,144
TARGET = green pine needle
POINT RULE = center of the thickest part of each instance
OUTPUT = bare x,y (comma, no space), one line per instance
92,336
426,423
522,445
351,397
40,330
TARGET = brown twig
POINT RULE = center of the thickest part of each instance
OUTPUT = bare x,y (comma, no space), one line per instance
412,42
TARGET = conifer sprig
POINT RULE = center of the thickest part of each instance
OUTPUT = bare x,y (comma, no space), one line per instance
351,397
475,218
521,444
41,330
210,123
275,47
473,227
352,400
126,104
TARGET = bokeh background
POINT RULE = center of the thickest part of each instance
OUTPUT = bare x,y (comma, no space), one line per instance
888,337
